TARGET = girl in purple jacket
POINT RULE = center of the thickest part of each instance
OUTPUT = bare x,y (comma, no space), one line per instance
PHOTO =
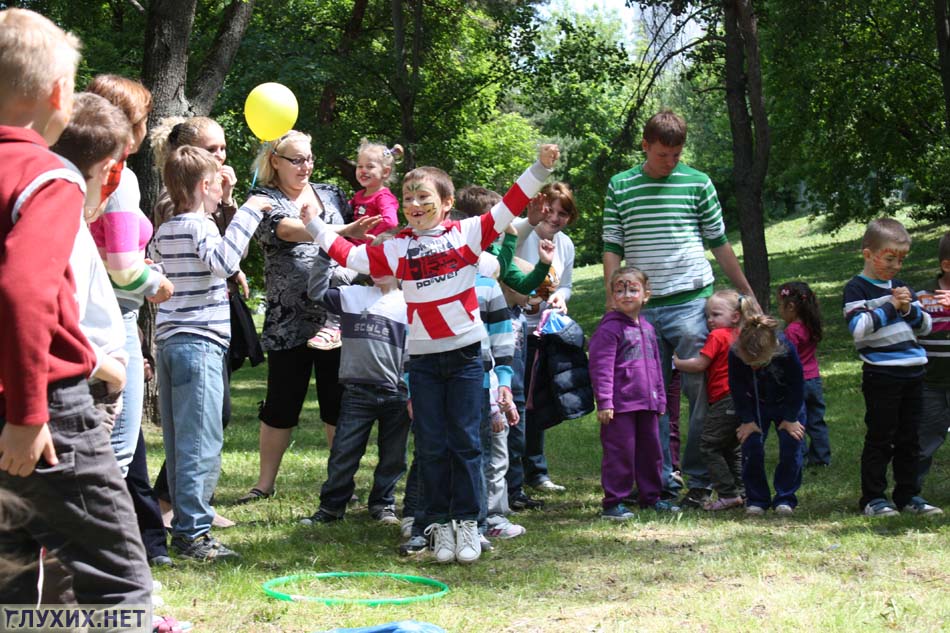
628,385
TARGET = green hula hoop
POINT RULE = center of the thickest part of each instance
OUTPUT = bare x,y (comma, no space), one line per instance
269,588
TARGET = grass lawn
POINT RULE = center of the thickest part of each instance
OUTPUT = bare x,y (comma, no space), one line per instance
826,569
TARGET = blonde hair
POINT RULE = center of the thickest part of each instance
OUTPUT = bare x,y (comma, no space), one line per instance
758,342
387,156
34,53
882,231
630,270
177,131
737,303
184,169
131,96
266,174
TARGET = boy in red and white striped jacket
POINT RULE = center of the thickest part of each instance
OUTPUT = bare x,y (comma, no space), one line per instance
437,263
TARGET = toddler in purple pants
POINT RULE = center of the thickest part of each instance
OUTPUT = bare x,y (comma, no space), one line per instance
628,385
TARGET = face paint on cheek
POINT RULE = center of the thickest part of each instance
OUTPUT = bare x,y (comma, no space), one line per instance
887,261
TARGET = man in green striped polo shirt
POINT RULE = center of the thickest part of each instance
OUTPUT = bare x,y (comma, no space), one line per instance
661,216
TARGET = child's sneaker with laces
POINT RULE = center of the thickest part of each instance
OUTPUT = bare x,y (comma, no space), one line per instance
386,516
413,546
665,505
618,512
320,517
205,548
784,510
880,508
443,541
468,546
920,507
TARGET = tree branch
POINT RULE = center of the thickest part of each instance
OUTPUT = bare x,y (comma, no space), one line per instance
215,66
138,7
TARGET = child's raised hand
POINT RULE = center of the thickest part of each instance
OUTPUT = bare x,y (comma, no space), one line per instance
548,154
228,180
605,416
358,229
746,430
795,429
536,210
546,251
259,203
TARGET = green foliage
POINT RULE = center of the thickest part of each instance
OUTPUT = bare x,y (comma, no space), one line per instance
856,104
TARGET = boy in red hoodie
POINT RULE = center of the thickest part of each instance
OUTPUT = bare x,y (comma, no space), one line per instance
54,453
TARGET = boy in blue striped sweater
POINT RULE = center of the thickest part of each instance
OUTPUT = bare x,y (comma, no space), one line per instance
885,317
193,330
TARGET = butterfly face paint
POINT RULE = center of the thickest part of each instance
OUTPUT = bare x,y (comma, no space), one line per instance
629,295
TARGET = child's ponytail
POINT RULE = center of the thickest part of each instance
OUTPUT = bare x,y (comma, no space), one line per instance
387,156
758,342
806,305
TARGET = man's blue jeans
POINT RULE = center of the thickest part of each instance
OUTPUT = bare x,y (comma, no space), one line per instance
362,405
682,329
125,433
189,398
447,391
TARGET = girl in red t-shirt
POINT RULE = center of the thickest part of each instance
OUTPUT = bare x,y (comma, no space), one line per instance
374,170
719,445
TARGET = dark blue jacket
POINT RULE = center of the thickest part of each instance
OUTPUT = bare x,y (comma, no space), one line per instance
772,393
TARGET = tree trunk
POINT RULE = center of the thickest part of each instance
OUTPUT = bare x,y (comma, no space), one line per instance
750,139
165,73
406,81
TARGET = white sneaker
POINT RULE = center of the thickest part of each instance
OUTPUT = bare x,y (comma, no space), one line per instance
754,511
784,509
549,486
467,542
405,526
505,529
442,536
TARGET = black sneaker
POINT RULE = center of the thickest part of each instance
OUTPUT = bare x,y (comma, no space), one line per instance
695,498
524,502
320,517
205,548
415,545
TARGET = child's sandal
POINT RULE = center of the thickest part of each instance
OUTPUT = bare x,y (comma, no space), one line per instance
255,494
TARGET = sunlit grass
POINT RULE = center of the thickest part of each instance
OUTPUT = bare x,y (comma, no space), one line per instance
826,569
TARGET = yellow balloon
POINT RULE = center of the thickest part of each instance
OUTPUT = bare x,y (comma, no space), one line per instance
270,111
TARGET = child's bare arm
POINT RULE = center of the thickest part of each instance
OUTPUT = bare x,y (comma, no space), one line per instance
692,365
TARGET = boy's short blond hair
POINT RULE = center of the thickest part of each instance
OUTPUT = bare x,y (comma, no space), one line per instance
184,169
34,54
884,231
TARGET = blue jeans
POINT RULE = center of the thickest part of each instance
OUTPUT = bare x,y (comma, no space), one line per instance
788,471
516,434
682,329
189,397
932,432
447,405
125,433
361,406
819,448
